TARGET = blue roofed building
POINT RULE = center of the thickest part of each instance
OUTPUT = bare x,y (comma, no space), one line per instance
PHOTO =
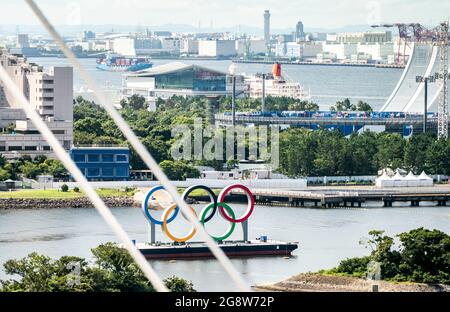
103,163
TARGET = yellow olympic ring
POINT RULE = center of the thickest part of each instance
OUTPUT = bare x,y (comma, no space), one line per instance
165,216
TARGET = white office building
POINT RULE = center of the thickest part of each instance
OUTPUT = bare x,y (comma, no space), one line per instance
254,46
364,37
189,46
216,48
378,51
341,50
173,44
300,50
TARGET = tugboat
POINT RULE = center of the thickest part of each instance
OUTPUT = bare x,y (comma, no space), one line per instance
118,63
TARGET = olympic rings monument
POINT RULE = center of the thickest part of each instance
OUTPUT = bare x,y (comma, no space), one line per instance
183,247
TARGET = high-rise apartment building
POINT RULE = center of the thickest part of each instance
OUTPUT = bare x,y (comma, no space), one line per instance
23,41
299,32
50,92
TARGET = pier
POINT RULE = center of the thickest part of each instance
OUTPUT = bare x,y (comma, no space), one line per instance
322,197
346,64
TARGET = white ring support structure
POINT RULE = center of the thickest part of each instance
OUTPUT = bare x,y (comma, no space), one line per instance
102,209
141,150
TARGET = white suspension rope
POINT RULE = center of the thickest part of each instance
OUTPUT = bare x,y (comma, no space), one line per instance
98,203
141,150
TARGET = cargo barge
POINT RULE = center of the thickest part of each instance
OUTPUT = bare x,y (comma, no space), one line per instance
191,250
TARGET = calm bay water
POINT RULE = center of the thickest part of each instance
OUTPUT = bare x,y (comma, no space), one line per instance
325,236
327,84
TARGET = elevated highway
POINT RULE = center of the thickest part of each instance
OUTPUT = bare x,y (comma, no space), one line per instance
410,124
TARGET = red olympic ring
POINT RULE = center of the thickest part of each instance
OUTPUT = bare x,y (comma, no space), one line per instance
250,206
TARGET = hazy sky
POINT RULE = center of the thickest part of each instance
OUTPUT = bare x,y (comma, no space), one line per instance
224,13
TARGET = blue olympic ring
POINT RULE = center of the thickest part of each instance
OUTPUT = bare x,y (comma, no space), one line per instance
145,206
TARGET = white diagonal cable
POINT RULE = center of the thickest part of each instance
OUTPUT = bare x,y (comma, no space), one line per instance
141,150
104,211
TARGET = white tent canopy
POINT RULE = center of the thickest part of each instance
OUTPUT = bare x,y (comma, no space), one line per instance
424,179
410,180
384,180
399,180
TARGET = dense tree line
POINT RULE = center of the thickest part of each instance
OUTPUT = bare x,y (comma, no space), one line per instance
30,168
272,104
323,152
113,270
422,256
302,152
346,105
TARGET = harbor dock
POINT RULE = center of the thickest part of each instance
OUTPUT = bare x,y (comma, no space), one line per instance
323,197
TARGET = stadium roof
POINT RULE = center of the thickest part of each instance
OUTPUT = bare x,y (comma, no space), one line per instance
170,68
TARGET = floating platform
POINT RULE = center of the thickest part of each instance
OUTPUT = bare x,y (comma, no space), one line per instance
232,249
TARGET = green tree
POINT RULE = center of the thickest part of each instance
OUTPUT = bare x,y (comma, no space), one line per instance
363,107
425,256
422,256
342,106
177,284
2,160
363,148
134,102
30,169
232,164
177,170
356,267
438,157
390,150
382,252
4,174
39,273
297,152
11,170
329,159
113,271
89,125
416,150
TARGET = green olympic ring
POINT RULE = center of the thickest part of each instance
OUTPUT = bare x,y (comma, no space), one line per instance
229,211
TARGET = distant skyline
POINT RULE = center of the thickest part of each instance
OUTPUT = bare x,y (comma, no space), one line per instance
326,14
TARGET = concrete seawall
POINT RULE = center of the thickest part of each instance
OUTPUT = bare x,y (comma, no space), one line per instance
82,202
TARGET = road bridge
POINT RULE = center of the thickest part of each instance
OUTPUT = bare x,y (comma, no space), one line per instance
409,125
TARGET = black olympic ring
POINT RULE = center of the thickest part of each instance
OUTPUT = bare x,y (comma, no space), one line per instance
211,194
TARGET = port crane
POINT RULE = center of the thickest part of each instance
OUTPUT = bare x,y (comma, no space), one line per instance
438,36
